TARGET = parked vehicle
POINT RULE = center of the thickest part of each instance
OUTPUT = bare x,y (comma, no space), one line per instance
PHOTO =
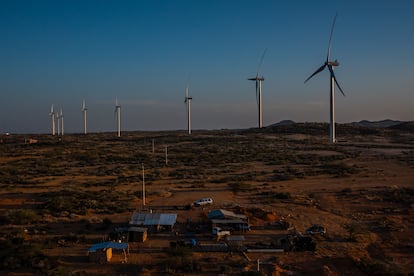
217,231
316,229
184,242
203,201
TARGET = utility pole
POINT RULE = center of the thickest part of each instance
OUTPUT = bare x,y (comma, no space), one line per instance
143,185
166,155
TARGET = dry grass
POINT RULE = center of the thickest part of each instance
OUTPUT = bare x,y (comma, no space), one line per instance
59,197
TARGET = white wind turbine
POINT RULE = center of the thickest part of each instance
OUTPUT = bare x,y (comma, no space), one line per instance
58,123
52,116
118,112
187,101
258,81
333,81
84,116
62,124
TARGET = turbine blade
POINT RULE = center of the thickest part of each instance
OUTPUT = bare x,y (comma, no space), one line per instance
330,38
260,63
334,77
257,93
316,72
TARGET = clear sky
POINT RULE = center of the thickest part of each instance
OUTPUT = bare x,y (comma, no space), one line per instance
145,52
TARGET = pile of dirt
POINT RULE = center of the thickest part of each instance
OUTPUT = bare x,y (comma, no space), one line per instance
257,214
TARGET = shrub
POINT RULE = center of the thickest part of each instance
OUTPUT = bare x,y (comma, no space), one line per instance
240,186
282,195
19,217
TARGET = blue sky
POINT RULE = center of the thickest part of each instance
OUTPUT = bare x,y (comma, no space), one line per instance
145,52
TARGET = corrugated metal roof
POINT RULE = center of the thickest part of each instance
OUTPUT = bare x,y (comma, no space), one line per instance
224,214
168,219
104,245
149,219
235,238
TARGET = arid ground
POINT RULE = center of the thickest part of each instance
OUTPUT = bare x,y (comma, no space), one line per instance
59,196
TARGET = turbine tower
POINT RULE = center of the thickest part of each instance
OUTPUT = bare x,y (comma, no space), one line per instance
52,116
62,125
330,64
187,101
118,112
84,116
258,81
58,123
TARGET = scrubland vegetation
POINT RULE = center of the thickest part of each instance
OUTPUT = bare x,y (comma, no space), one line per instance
58,195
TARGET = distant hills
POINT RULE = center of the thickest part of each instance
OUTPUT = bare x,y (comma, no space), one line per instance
363,127
383,123
364,123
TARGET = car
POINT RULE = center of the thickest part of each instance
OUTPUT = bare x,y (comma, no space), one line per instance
203,201
316,229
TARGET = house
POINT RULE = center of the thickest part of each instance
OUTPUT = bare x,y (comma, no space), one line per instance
137,234
153,221
228,220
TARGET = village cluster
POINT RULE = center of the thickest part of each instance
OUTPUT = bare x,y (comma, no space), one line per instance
213,230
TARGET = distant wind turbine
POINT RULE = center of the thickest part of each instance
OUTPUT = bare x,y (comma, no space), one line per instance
333,81
62,125
258,81
187,101
58,123
52,116
118,113
84,116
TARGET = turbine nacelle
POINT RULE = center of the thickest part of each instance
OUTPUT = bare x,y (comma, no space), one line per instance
84,106
187,99
332,63
257,79
51,111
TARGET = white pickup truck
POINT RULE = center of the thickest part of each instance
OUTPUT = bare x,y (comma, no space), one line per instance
219,233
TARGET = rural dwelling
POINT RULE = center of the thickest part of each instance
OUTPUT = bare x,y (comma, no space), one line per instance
102,252
137,234
228,220
153,221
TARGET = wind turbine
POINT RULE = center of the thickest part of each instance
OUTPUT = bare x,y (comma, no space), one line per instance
52,116
84,116
330,64
187,101
62,125
259,90
118,112
58,123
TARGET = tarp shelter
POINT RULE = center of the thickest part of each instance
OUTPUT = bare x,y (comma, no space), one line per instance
102,252
153,220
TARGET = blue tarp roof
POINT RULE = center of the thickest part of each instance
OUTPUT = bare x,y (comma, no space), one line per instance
109,244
